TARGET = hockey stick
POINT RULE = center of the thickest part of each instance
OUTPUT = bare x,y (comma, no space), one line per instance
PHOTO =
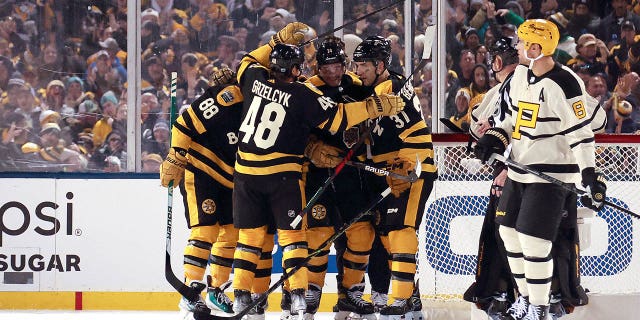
566,186
184,290
329,180
412,177
330,32
202,315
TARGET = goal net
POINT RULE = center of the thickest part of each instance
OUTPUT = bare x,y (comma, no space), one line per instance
455,210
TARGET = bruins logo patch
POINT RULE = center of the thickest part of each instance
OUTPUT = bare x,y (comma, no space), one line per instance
208,206
318,212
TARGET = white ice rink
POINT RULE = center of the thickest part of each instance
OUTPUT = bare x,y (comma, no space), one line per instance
113,315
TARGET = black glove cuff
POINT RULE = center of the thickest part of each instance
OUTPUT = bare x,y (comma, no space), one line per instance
588,175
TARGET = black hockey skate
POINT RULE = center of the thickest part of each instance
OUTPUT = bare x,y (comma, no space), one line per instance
351,306
498,306
400,309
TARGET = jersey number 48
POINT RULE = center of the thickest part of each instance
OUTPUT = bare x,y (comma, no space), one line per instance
265,133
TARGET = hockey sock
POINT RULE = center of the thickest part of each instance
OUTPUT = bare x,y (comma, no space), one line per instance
294,251
196,253
263,270
538,268
222,254
356,256
317,267
515,257
247,255
402,246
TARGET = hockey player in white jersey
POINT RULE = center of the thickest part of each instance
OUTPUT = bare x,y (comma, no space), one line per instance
545,125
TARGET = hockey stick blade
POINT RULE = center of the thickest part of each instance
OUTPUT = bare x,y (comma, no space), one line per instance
203,315
566,186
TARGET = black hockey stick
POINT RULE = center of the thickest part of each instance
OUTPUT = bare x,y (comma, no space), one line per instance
312,201
184,290
566,186
203,315
412,177
330,32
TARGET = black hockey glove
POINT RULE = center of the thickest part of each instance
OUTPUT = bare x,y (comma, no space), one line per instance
495,140
596,189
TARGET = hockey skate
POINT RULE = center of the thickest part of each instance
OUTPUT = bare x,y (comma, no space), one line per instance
285,305
298,304
312,298
217,300
379,300
188,307
537,312
243,300
351,306
519,308
416,304
498,306
556,309
400,309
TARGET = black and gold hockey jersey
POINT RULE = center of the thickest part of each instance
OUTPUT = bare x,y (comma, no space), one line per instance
349,90
547,125
208,130
403,135
278,117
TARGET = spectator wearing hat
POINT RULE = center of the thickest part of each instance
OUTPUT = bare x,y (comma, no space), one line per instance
583,20
113,49
207,22
151,163
471,39
149,34
75,92
587,54
158,142
27,106
55,97
14,85
609,30
111,155
102,77
254,16
109,107
619,62
49,136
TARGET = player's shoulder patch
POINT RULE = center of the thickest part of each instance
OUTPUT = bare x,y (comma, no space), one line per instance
229,95
566,80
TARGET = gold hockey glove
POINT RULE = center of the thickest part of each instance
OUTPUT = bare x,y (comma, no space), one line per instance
383,105
321,154
222,76
292,33
173,167
401,166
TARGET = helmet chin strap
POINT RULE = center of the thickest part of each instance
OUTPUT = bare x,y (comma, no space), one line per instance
532,60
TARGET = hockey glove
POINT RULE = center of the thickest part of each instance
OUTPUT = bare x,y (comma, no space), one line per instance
401,166
383,105
172,169
321,154
292,33
596,189
224,75
495,140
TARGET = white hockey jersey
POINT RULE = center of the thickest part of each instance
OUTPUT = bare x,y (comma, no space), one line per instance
549,124
492,108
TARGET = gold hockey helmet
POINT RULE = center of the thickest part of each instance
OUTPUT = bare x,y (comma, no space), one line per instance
540,31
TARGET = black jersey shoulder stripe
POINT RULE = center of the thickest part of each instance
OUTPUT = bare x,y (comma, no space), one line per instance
565,80
588,140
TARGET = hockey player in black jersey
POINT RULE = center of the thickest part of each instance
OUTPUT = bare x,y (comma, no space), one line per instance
545,125
201,159
277,117
347,194
397,142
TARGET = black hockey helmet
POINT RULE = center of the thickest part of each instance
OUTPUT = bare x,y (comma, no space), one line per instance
374,48
284,57
505,48
331,50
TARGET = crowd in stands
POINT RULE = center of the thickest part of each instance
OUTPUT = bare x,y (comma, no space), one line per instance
63,64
